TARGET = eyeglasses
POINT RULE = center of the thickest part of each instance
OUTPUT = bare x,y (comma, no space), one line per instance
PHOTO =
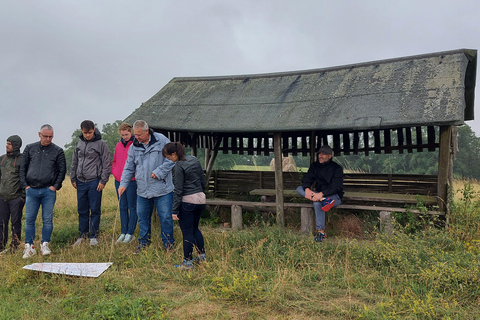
46,137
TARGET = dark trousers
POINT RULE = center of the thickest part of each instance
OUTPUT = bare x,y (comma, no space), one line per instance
11,210
89,208
189,218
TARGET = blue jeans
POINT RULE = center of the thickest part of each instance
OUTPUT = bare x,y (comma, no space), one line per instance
189,218
163,204
317,206
128,207
89,202
34,198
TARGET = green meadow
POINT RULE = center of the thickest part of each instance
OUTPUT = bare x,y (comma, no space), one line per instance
422,271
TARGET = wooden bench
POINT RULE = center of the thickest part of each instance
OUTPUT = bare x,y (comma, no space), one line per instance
386,193
307,212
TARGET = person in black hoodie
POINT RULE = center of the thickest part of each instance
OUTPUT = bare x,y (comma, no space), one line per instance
42,172
12,195
90,171
328,178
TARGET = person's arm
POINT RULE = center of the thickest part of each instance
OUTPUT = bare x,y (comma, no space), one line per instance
61,164
307,181
128,169
106,163
73,168
178,182
24,167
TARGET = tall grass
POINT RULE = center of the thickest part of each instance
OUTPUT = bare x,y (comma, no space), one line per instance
262,272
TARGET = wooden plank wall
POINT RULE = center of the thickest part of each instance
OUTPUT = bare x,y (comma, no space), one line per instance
237,184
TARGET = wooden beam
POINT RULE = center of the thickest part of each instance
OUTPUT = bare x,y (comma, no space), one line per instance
445,165
277,148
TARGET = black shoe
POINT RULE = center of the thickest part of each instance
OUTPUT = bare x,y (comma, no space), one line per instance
320,236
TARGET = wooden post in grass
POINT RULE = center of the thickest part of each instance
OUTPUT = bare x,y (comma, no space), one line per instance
237,221
277,148
308,220
386,224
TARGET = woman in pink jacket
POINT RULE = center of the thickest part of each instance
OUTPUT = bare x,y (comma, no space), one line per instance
128,200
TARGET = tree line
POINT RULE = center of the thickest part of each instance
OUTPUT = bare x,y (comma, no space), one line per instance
466,164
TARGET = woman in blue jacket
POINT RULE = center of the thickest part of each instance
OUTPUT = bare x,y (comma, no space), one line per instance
188,200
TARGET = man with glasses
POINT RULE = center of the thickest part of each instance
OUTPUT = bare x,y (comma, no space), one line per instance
42,172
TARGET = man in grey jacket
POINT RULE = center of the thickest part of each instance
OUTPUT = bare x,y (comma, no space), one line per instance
90,171
153,173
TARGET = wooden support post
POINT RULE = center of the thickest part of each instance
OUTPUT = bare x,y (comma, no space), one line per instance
445,166
307,220
277,148
211,160
237,221
386,224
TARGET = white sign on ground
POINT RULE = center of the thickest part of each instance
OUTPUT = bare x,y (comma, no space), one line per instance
92,270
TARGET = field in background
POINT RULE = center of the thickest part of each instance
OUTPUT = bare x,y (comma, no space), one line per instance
262,272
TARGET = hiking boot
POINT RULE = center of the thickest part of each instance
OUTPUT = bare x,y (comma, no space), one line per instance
44,249
121,238
29,251
320,236
327,204
93,241
128,238
201,258
185,265
78,242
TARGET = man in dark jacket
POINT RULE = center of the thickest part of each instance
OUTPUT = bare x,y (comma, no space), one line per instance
42,172
12,195
90,171
328,178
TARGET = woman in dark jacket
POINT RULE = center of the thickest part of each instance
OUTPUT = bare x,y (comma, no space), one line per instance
188,200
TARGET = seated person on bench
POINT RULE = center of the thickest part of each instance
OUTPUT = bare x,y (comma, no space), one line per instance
328,178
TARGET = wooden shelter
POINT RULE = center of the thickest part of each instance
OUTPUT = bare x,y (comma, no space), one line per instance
372,107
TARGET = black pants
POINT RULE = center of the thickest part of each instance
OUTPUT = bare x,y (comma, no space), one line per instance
13,210
189,218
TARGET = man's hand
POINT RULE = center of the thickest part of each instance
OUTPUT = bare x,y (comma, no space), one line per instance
52,188
154,176
175,217
74,184
317,196
100,186
121,190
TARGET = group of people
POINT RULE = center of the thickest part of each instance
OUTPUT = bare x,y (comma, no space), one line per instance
142,166
149,171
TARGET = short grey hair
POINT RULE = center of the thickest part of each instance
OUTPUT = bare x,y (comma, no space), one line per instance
140,124
46,127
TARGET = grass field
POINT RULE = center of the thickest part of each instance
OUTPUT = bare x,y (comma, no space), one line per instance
262,272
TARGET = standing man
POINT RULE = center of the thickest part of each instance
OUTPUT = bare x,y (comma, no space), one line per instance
90,171
42,172
153,173
12,195
328,178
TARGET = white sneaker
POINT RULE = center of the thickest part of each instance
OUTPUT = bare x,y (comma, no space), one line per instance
45,249
121,238
78,242
128,238
29,251
93,241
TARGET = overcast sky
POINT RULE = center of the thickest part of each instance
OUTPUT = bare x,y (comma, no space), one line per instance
62,62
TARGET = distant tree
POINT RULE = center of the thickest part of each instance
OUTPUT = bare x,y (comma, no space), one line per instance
467,162
110,135
69,148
